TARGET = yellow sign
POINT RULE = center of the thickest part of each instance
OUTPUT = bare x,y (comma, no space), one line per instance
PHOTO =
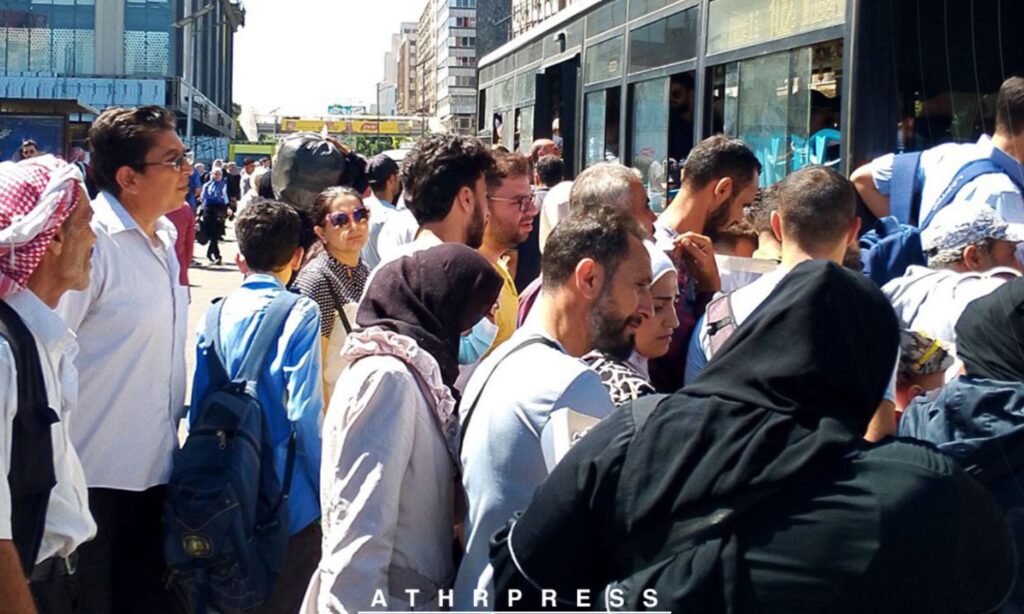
353,126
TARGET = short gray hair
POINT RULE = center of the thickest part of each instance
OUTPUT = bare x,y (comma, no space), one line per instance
945,258
605,183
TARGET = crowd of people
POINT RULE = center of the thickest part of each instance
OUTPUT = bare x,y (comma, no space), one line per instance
467,382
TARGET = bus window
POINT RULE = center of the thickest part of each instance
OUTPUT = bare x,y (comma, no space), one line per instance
680,126
601,134
785,106
649,139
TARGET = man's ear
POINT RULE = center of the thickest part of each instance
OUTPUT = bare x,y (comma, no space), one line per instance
589,278
723,190
243,266
465,200
851,236
776,222
296,262
973,259
127,179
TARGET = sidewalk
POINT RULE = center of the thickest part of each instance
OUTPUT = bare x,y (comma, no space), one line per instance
208,282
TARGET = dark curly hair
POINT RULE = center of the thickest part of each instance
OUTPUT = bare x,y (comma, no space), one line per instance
268,234
436,170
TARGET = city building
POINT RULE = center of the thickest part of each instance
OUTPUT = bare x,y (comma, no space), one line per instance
65,61
528,13
456,64
407,58
426,61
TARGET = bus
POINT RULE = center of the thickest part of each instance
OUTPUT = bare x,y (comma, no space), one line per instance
240,151
834,82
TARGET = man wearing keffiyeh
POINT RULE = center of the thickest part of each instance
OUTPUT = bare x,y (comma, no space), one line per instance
45,246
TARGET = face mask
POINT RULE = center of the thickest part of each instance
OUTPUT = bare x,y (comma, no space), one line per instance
474,344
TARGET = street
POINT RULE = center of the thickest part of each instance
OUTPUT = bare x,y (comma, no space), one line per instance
208,282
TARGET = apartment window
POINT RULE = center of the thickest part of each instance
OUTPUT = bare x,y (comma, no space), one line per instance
465,41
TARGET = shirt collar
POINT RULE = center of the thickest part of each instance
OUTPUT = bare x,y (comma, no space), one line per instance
108,210
43,322
259,281
1000,157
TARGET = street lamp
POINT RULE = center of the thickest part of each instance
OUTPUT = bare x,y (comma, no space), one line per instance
190,20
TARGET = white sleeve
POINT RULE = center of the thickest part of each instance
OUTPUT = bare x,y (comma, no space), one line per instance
368,440
8,407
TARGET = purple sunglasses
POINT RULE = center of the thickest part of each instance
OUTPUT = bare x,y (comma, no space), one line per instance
341,219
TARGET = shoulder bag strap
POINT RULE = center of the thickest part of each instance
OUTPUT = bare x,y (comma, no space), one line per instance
472,408
967,173
216,368
902,188
339,306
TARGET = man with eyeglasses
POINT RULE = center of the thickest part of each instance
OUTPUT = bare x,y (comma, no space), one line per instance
510,198
131,325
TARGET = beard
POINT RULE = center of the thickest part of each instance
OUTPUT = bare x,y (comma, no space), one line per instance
718,220
611,330
475,232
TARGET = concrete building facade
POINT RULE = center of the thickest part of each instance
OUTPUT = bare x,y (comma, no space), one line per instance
407,58
528,13
426,61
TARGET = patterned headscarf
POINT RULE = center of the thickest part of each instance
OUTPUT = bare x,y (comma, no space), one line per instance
36,196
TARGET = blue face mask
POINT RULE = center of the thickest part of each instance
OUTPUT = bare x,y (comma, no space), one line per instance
474,344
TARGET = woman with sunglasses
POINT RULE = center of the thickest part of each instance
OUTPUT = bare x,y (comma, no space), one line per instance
336,277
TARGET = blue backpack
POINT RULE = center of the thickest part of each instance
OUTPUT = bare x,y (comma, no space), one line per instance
226,514
894,243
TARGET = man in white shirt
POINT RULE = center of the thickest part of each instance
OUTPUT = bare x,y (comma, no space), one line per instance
131,324
971,252
938,165
529,400
46,237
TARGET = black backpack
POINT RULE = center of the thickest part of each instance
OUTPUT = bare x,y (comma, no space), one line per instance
31,474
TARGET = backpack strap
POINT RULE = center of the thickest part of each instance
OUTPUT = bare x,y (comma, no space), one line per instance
721,321
534,340
967,173
642,409
31,474
902,188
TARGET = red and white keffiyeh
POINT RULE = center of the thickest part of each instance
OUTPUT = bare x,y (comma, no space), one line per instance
36,196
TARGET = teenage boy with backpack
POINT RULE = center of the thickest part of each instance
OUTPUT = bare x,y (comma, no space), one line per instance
260,317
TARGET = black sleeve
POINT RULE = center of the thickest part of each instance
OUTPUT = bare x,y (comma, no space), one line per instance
557,541
986,557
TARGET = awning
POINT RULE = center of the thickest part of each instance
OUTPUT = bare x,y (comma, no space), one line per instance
44,106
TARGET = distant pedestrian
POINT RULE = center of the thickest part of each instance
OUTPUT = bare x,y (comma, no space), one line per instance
215,213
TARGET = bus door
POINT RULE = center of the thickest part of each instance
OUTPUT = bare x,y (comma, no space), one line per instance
556,107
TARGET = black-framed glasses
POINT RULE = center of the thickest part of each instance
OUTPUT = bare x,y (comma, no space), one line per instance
523,202
341,219
177,163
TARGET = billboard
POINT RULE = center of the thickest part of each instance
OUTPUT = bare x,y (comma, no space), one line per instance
367,127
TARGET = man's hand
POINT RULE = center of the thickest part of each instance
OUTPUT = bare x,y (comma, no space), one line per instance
697,254
14,593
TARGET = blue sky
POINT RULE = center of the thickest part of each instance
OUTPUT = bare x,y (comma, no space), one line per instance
302,55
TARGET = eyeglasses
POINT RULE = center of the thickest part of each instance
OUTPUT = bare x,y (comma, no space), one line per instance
523,202
177,163
341,219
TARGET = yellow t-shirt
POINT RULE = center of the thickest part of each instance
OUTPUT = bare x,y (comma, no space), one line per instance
508,308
